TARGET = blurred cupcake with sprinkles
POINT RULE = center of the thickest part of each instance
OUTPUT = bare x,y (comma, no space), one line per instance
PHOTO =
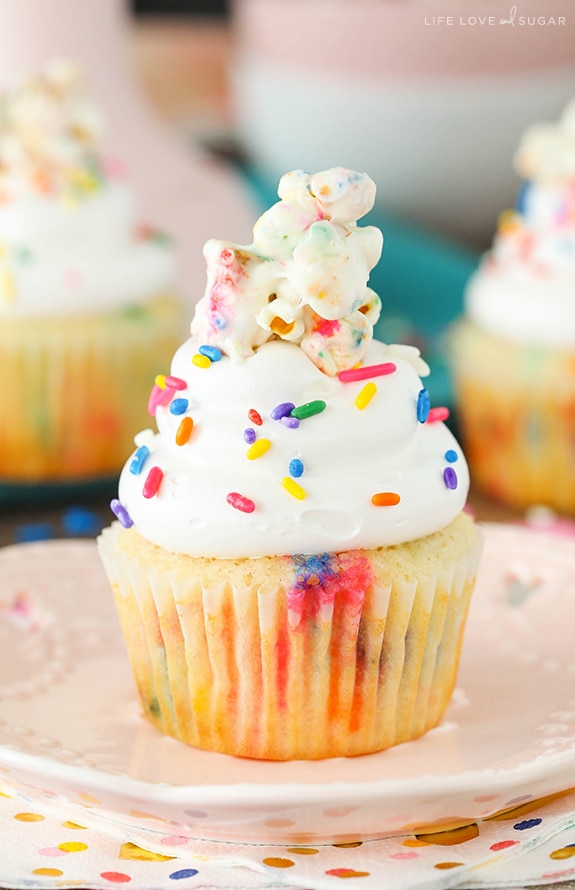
87,310
513,353
291,562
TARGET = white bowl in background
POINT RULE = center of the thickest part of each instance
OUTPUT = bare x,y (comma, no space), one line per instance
431,107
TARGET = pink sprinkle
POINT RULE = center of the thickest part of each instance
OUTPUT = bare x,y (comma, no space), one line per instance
437,414
367,371
159,396
239,502
152,483
175,383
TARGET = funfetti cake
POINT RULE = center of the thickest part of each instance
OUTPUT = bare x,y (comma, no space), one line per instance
514,351
86,304
291,563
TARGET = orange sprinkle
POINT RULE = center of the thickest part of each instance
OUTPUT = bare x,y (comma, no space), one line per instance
184,431
385,499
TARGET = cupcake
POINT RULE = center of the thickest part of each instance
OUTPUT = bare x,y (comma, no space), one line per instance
291,561
87,311
513,353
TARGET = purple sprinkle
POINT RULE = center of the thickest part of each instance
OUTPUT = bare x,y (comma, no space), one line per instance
121,513
291,422
282,410
249,435
450,478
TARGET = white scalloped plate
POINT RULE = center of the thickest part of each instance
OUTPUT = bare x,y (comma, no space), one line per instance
70,729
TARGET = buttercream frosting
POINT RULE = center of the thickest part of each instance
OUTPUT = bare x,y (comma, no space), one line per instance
524,288
69,237
265,446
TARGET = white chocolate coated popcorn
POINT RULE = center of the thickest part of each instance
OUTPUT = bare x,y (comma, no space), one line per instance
309,263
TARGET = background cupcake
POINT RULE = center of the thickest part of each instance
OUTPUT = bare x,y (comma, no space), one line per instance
514,352
86,305
291,566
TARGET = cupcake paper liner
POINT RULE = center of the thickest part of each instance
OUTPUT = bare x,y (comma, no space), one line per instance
516,409
228,668
76,389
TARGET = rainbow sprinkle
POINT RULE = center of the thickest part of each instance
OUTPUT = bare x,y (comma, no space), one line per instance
211,352
451,456
281,410
153,482
175,382
450,478
293,488
255,417
239,502
423,405
296,467
179,406
364,397
121,513
438,414
367,371
249,436
258,448
292,423
139,459
158,396
385,499
184,431
201,361
309,409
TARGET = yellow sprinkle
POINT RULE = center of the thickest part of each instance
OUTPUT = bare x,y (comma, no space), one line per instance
160,380
202,361
364,397
259,447
294,489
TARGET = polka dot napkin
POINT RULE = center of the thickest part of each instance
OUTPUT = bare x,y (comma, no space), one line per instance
47,847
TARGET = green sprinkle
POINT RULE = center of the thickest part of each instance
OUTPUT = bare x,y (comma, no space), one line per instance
309,409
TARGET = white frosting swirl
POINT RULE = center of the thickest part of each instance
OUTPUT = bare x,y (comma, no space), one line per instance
348,455
69,242
524,288
290,431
